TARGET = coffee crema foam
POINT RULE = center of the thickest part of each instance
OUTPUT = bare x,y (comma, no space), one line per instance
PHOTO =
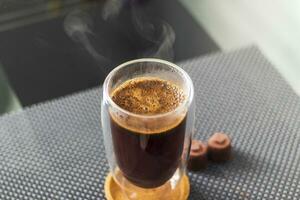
148,96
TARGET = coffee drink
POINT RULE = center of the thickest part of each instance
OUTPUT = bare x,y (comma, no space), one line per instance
148,150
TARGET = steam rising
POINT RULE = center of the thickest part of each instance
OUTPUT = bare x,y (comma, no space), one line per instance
79,27
111,9
161,34
165,49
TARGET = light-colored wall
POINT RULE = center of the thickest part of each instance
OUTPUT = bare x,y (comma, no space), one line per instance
273,25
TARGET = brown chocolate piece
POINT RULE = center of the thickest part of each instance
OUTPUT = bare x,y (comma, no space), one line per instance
219,147
198,156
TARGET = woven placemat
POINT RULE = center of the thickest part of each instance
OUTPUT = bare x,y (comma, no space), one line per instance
55,150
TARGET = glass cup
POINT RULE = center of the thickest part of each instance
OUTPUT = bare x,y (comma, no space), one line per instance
147,152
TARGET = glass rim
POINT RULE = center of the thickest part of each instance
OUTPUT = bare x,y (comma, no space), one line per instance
186,77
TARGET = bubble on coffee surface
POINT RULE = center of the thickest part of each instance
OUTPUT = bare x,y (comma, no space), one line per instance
148,96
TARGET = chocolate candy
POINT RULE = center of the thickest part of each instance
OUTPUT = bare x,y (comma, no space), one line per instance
219,147
198,156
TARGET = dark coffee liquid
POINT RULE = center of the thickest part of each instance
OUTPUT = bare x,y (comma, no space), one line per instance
148,154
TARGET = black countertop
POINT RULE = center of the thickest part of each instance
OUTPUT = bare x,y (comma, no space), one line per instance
74,49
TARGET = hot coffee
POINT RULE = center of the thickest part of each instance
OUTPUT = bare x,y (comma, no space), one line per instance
148,150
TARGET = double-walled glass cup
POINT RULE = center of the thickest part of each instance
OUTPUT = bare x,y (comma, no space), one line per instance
147,152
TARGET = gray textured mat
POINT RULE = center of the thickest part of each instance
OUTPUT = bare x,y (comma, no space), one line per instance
55,150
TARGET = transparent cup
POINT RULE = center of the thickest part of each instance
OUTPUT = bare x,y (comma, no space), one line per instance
147,153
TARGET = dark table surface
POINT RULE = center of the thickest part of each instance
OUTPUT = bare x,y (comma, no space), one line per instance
53,48
55,150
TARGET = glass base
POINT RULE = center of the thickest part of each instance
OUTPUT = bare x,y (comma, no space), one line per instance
113,191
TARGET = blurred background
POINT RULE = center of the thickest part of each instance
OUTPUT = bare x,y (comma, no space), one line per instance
52,48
